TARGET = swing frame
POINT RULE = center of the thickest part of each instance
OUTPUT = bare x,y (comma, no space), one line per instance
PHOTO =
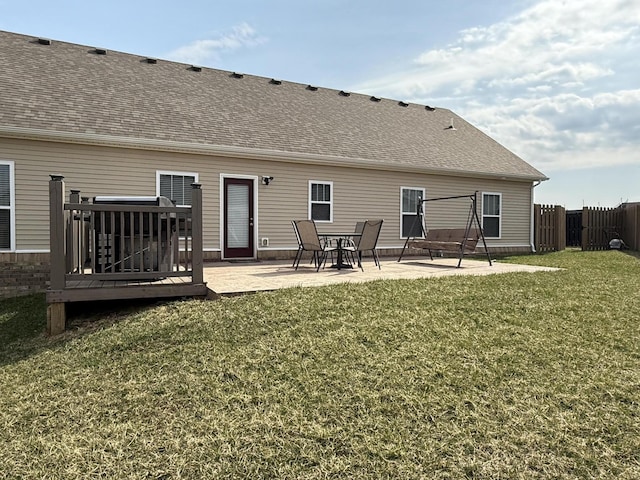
459,245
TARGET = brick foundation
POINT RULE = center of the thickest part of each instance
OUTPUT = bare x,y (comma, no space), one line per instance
23,274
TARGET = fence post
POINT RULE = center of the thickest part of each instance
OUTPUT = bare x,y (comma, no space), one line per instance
196,232
561,228
584,243
56,317
632,227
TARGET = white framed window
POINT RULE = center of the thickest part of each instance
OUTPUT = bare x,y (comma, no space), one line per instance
321,201
176,186
492,214
410,224
7,206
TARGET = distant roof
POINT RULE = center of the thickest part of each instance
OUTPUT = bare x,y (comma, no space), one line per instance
57,90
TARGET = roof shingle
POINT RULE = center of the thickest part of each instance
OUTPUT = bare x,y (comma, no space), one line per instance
63,87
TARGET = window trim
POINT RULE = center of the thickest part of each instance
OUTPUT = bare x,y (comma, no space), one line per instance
330,202
499,216
402,213
11,207
175,173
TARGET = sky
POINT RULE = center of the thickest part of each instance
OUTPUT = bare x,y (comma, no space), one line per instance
556,82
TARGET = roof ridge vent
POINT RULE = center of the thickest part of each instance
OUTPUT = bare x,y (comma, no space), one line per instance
237,75
403,104
100,51
312,88
44,41
151,60
195,68
345,94
273,81
431,109
375,99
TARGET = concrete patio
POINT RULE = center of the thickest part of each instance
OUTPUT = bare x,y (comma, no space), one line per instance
228,278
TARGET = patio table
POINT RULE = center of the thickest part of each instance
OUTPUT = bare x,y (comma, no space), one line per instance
340,238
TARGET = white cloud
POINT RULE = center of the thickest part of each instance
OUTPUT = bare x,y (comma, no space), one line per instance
566,130
552,41
556,83
202,51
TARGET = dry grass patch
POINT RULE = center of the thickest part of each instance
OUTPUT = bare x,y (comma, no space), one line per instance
526,375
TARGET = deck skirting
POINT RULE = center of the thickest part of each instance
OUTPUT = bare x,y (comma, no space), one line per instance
125,290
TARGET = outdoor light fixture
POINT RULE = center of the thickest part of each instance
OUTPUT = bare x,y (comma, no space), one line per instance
266,180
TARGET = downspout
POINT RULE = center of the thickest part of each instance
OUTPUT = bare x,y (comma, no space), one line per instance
532,228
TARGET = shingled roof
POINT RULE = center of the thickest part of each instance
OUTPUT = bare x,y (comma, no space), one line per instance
66,92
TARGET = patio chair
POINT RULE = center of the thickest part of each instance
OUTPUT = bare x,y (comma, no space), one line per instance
368,241
300,249
358,229
309,241
355,240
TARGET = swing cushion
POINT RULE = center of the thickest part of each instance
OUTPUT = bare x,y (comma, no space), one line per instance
448,240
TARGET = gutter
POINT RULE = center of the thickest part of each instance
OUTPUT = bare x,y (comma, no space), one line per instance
239,152
532,229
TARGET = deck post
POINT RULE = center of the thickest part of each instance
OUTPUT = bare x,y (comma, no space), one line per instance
56,311
56,318
84,254
196,230
71,240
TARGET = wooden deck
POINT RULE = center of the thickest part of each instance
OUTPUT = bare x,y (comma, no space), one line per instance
92,290
121,248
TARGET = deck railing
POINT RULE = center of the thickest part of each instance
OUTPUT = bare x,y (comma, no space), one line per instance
122,242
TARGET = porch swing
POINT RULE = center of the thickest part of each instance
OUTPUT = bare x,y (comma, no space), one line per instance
459,241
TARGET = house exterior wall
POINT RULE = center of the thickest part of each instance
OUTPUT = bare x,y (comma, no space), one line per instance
358,193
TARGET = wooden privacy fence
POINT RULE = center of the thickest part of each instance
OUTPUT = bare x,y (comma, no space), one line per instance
599,226
549,228
631,225
591,228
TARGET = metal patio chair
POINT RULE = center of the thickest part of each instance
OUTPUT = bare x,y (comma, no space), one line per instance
368,241
355,240
309,241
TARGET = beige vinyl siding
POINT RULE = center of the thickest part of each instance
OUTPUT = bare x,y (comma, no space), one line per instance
361,194
93,171
358,193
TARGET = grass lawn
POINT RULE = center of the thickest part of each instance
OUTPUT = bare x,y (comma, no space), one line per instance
514,376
